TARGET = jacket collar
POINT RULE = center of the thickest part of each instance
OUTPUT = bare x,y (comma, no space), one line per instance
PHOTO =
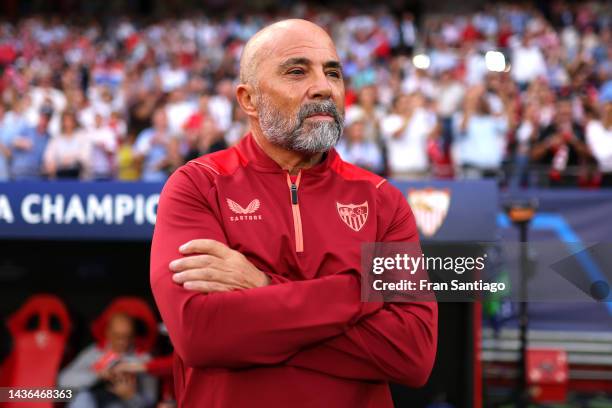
258,159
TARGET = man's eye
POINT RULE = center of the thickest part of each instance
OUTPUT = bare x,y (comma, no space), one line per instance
296,72
335,74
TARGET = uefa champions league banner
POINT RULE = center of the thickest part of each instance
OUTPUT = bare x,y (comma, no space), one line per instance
78,210
444,210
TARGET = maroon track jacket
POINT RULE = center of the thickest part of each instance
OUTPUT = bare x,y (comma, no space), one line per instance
306,340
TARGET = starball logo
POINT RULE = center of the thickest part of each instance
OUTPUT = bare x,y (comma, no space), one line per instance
244,214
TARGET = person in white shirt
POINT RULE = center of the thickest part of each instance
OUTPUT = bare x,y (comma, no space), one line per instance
418,81
405,133
173,75
409,32
475,66
442,56
178,109
367,106
103,149
220,105
528,62
45,93
599,140
479,136
68,154
525,136
448,97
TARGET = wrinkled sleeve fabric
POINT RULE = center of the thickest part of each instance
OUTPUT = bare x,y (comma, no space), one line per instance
397,343
241,328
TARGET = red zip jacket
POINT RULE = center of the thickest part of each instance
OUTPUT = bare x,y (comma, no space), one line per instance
306,340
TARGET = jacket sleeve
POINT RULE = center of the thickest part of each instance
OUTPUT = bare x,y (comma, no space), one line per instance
397,343
240,328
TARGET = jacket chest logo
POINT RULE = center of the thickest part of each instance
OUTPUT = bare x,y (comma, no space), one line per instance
244,214
353,215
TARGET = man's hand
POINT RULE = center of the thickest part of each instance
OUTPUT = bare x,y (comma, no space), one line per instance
105,374
214,267
124,386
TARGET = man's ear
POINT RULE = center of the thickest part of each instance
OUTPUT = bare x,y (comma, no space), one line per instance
245,98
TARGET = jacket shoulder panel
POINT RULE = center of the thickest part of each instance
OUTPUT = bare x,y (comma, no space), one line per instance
224,162
349,171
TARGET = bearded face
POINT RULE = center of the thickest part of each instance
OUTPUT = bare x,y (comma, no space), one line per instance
303,131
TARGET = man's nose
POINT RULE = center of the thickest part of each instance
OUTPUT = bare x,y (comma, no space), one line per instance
320,88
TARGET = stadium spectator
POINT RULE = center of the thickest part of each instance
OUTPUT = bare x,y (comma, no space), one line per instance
220,106
173,76
15,119
68,154
526,135
104,148
239,126
406,132
355,148
475,66
201,137
418,80
367,106
197,116
128,167
561,148
448,97
480,136
93,377
599,139
45,93
117,125
179,109
409,32
4,147
152,148
527,61
27,149
443,58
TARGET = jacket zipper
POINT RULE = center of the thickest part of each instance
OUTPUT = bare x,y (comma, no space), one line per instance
295,209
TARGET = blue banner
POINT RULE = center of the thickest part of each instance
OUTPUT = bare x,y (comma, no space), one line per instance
444,210
575,218
78,210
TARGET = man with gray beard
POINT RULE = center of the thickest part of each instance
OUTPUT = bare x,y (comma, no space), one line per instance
255,260
293,134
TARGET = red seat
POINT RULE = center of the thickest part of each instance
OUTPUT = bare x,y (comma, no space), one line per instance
37,352
547,375
138,310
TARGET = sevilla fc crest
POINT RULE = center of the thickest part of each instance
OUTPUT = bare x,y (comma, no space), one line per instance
430,207
353,215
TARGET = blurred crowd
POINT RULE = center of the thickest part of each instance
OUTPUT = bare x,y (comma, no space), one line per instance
511,92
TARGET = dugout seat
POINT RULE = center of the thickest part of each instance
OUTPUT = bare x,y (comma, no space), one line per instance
40,330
